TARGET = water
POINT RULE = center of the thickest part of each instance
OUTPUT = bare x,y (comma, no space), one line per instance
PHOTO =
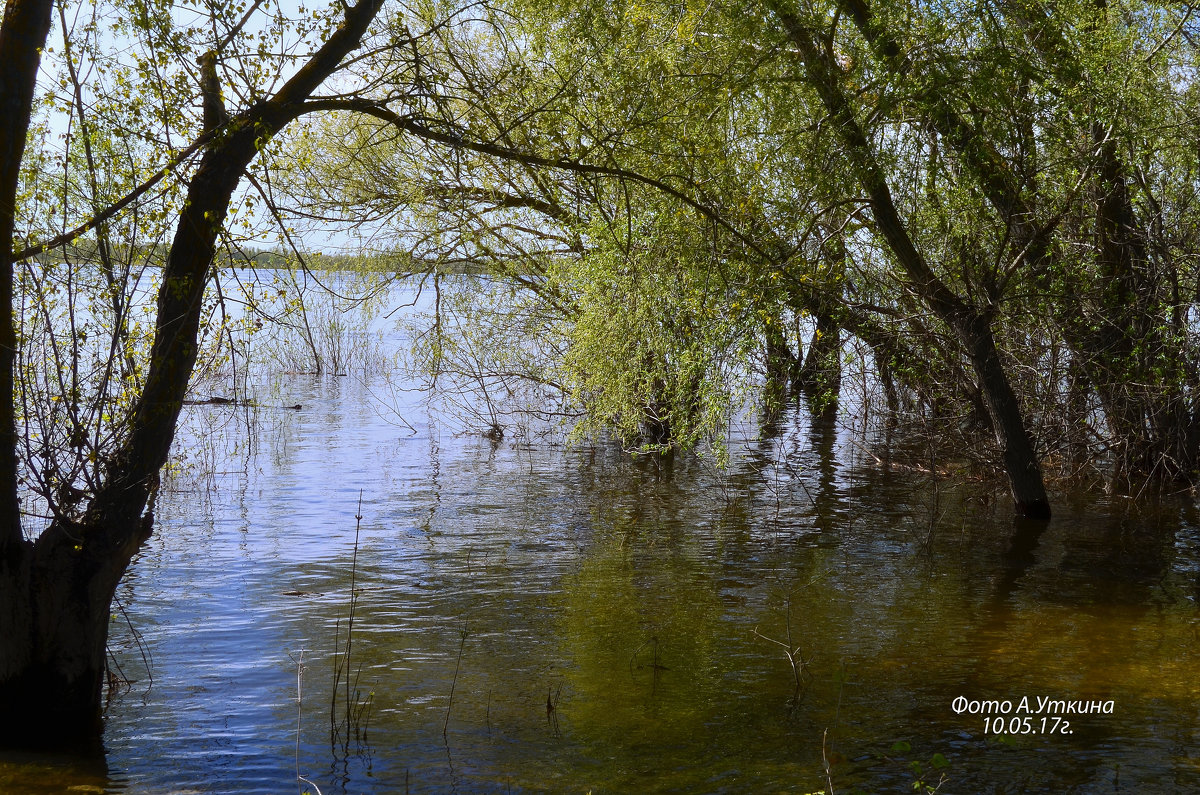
535,616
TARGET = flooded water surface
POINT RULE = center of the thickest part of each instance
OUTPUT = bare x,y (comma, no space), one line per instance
535,616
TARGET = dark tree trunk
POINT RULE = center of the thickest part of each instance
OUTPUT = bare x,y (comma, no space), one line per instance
1131,356
821,374
970,324
58,589
56,592
890,395
1008,422
782,363
56,596
22,38
783,369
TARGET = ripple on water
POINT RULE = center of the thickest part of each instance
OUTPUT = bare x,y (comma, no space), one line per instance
626,596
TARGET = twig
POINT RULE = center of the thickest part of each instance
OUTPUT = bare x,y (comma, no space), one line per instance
138,640
453,682
353,600
825,761
342,659
299,708
792,654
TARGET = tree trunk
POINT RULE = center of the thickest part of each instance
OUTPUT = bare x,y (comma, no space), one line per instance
56,592
821,374
56,596
1020,458
22,38
971,324
782,363
783,366
58,589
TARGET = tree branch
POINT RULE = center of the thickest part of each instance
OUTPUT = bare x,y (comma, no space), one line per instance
116,207
456,140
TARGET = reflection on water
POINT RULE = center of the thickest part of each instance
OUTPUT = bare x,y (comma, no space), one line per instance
607,624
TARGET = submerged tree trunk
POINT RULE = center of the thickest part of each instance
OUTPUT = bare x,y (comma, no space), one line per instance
56,596
970,324
56,591
1008,421
46,653
821,374
783,365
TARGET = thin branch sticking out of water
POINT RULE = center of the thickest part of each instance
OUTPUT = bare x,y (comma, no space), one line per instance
299,719
462,642
791,650
356,711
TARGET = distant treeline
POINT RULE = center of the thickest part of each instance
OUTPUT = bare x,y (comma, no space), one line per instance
87,251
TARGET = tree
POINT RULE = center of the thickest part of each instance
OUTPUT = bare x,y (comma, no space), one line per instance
992,198
1032,142
969,321
541,171
56,588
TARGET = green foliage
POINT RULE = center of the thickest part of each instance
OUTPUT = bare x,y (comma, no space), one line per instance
920,770
117,104
706,209
707,204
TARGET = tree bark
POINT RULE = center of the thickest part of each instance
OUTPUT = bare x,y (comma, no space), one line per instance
56,595
22,38
1131,357
821,374
56,592
1008,421
970,324
783,366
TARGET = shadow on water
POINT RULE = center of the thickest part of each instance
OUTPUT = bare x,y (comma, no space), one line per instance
823,430
1090,619
44,774
1019,556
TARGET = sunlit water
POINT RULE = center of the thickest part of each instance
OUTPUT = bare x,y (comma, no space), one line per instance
534,616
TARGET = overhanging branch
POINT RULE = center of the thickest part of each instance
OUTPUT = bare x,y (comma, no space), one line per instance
412,126
116,207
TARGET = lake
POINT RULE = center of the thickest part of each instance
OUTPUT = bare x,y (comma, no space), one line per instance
535,616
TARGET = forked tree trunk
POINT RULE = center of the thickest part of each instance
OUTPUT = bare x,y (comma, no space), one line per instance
56,591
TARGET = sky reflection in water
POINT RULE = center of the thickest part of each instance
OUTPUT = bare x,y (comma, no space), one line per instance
623,624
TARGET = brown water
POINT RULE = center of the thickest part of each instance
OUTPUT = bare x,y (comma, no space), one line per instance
612,625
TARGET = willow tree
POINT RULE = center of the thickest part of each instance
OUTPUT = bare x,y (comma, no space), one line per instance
1013,186
639,278
1019,163
996,199
757,199
92,471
